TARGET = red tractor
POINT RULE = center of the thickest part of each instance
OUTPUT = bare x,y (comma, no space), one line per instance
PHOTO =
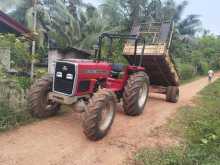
95,86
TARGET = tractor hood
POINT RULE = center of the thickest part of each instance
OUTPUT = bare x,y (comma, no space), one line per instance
89,64
81,61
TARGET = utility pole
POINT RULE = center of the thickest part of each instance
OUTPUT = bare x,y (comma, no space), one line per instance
33,42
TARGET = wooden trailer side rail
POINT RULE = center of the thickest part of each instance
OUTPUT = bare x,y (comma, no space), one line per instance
158,49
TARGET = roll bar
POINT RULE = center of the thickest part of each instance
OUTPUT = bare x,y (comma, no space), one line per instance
113,36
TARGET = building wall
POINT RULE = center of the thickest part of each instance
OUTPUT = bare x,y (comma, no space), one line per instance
53,56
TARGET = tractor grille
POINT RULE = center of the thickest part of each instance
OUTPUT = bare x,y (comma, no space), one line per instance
64,78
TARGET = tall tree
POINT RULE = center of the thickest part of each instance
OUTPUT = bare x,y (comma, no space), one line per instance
93,25
63,26
189,26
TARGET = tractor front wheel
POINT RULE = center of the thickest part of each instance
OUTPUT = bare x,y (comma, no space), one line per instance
99,115
136,94
38,102
172,94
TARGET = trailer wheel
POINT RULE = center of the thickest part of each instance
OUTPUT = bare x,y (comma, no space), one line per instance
38,102
136,94
99,115
172,94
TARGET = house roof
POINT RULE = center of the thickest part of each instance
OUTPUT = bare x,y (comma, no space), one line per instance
10,25
75,50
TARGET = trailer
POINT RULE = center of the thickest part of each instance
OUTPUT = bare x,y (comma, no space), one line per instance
157,60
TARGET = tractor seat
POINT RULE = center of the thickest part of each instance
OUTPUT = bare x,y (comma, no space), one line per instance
117,70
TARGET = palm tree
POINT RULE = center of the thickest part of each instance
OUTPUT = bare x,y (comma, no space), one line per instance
54,20
62,24
73,7
185,28
99,20
93,24
178,10
189,26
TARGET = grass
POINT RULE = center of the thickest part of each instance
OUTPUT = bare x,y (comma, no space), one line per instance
199,126
182,82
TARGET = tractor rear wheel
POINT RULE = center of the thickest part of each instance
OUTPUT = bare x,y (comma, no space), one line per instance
136,94
38,102
172,94
99,115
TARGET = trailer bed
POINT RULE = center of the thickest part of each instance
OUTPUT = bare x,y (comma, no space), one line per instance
160,69
157,61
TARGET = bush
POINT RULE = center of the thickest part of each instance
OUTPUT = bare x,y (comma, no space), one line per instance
24,82
40,72
187,71
9,118
202,68
20,55
13,104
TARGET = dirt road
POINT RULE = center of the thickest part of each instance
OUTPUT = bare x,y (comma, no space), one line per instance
60,141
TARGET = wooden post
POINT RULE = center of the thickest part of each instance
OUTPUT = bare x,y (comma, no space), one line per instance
33,42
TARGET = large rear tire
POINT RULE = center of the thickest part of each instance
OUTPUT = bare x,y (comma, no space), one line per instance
172,94
99,115
38,102
136,94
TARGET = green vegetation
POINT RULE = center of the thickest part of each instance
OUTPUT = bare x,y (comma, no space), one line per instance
20,56
23,82
10,118
172,156
199,126
198,57
13,106
187,71
182,82
68,23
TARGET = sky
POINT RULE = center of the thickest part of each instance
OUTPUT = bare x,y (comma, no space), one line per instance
209,10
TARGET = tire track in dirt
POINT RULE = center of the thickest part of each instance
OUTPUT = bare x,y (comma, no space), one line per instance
60,141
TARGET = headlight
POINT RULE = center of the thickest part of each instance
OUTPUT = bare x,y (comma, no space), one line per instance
59,74
69,76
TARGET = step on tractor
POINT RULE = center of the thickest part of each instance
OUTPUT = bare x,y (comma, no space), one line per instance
94,87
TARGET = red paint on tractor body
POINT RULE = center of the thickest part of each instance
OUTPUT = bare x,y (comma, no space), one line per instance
101,72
